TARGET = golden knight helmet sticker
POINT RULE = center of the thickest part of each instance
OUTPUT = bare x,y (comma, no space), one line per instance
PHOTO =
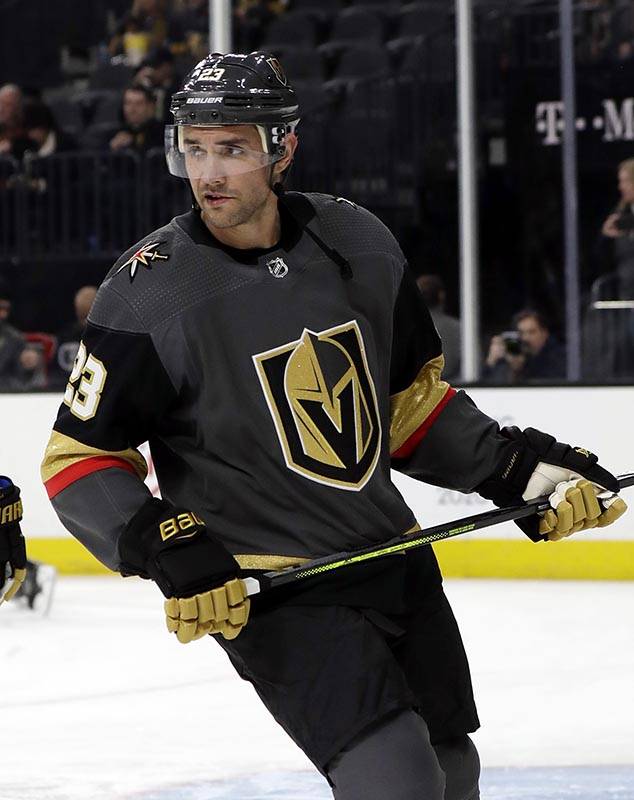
323,402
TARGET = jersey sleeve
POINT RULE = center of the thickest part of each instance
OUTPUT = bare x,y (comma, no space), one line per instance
116,399
437,434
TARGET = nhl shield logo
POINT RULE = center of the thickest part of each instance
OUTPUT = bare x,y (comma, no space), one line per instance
277,267
322,398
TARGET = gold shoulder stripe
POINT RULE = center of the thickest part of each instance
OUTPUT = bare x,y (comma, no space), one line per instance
410,408
63,452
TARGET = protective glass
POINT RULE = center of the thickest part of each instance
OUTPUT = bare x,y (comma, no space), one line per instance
209,159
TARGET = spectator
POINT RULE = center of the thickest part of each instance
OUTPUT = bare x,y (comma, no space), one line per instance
140,131
433,290
145,26
31,369
69,337
13,139
192,17
11,344
42,131
618,229
157,73
596,31
251,17
622,30
527,354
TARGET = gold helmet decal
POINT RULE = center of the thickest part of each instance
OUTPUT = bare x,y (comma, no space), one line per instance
323,402
277,68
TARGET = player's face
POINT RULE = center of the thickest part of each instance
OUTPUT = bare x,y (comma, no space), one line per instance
228,200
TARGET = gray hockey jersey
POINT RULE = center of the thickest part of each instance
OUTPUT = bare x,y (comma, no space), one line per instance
275,392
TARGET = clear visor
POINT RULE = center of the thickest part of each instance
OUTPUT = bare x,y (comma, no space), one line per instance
192,153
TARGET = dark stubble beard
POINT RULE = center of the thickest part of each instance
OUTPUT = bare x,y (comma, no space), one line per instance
248,209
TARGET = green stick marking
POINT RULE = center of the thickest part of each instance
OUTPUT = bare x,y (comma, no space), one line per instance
396,548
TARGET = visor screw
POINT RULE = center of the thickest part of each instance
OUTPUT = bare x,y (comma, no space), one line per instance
214,113
192,115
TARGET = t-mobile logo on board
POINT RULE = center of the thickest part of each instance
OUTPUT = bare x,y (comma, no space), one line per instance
616,121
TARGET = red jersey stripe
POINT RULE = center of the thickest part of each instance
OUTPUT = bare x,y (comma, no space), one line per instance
408,447
59,482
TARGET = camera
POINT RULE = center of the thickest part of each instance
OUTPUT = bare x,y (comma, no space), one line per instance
512,343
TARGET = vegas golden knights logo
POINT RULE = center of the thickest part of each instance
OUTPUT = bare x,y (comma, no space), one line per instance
278,70
323,402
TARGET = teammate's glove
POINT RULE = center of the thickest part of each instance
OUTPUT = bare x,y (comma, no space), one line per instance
192,568
582,494
12,546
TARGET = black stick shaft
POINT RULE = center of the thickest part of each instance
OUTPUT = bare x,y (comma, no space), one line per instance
437,533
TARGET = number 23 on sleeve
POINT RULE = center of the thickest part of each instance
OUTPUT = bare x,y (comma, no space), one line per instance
85,385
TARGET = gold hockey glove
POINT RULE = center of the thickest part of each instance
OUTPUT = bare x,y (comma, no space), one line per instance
582,494
190,565
578,505
223,610
12,545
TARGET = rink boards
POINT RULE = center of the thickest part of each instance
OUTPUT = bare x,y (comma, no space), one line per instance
595,418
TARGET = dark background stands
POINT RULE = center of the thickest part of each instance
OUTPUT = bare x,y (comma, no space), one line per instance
11,344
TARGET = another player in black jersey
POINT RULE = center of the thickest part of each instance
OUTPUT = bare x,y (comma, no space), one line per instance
276,353
13,563
30,582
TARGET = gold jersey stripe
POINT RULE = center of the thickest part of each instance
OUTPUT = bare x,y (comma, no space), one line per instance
410,408
62,452
268,562
255,561
413,529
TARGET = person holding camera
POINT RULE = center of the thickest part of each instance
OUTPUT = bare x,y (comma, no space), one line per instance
528,353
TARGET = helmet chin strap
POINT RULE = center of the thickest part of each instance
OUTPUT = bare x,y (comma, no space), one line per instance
277,186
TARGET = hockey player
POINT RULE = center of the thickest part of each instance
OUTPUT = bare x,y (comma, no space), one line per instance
12,547
276,353
31,581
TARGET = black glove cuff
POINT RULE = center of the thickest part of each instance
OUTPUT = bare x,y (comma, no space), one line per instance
174,548
524,451
506,485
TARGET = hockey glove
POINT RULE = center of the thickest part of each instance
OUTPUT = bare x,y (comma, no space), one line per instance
192,568
582,494
12,546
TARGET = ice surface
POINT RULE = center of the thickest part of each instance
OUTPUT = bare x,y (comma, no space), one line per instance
508,783
99,702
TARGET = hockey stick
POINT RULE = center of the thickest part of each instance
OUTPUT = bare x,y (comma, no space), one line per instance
270,580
